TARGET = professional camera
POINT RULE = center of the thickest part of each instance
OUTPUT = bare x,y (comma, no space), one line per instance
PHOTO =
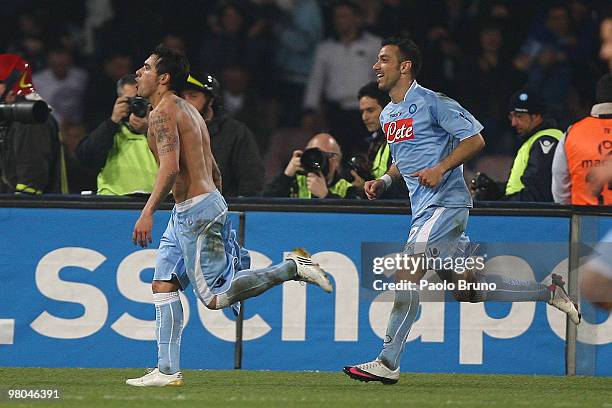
24,112
139,106
314,160
485,188
359,165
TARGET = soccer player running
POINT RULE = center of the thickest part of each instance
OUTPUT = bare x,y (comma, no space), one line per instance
198,245
431,136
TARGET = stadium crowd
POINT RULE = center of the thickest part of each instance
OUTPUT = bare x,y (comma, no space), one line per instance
279,72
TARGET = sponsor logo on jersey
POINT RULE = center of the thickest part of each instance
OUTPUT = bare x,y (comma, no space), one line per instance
399,130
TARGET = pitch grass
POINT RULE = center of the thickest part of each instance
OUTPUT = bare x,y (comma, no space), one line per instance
106,388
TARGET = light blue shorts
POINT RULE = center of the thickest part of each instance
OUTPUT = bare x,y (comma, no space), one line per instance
439,232
199,246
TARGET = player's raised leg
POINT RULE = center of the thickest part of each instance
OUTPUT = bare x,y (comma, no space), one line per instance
253,282
498,288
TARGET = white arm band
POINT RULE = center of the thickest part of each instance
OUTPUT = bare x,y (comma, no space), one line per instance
387,180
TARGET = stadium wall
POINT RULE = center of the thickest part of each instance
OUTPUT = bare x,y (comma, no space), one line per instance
75,292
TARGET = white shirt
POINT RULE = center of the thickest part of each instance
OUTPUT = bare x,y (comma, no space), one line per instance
66,96
340,70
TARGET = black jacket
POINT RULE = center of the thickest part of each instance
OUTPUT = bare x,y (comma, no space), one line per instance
237,156
30,158
537,177
93,150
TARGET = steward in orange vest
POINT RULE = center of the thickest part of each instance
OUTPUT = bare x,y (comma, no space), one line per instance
587,145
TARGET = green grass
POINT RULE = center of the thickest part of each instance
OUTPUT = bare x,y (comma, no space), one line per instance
105,388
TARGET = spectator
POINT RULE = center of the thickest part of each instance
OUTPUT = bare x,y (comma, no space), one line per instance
488,81
388,17
371,103
27,41
586,146
549,55
342,64
444,56
298,33
230,42
63,86
31,155
232,143
175,41
102,87
531,174
605,33
118,148
296,182
243,103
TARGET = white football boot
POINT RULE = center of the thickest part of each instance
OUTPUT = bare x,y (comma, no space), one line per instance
307,271
561,300
373,371
155,378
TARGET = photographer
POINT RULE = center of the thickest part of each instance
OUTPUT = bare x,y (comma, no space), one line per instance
531,174
31,155
118,147
314,172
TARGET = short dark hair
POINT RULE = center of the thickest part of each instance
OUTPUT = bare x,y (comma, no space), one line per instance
129,79
372,90
409,51
173,62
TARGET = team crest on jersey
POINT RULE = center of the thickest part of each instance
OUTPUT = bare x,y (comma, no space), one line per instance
412,108
399,130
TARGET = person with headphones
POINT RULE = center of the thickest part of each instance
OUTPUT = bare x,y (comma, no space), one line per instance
232,143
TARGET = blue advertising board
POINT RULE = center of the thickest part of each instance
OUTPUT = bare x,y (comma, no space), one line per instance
76,292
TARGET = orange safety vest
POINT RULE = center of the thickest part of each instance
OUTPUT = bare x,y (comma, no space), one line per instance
588,144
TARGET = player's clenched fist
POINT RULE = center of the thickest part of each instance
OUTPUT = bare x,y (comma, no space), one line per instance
374,189
295,164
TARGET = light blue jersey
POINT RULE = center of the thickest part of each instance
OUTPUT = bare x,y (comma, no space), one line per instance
421,131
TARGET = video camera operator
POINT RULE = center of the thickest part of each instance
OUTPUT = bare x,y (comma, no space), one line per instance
313,173
31,153
118,147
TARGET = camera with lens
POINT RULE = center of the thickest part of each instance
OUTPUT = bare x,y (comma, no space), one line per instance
314,160
485,188
139,106
359,165
24,112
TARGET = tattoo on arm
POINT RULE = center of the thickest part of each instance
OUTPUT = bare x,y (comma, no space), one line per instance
165,133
